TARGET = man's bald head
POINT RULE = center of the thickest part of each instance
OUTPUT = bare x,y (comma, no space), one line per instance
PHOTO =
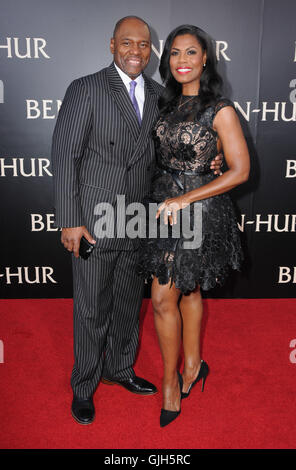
125,18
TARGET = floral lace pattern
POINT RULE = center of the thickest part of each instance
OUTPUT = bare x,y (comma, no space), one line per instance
186,140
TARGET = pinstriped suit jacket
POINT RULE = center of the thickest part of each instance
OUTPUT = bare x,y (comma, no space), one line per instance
99,150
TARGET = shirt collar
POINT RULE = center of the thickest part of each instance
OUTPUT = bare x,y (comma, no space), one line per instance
126,79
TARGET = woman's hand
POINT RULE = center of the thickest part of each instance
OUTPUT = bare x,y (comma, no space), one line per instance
170,207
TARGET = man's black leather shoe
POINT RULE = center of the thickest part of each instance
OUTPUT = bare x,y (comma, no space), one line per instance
83,410
134,384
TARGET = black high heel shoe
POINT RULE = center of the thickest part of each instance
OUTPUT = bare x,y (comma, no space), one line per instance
203,373
167,416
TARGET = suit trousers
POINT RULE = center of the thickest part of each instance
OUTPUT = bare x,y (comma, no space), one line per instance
107,296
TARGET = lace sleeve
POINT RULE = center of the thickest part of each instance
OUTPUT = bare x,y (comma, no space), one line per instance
222,103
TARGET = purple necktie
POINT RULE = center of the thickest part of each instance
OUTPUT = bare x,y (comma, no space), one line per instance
134,100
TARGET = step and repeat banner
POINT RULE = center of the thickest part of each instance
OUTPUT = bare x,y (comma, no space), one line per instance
44,45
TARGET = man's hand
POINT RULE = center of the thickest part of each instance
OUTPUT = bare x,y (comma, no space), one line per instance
217,163
71,237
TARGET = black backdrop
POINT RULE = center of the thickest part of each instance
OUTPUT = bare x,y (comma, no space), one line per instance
44,45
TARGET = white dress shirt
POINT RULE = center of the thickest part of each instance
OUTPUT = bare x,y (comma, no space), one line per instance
139,90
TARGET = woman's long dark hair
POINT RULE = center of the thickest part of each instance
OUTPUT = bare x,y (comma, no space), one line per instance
210,82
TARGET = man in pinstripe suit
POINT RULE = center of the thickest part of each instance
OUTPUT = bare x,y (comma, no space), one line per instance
102,147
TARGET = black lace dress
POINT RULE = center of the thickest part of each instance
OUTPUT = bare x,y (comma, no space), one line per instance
186,143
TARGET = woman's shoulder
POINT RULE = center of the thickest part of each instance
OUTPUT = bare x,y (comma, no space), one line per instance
222,103
208,115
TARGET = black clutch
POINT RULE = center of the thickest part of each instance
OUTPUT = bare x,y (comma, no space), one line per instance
85,248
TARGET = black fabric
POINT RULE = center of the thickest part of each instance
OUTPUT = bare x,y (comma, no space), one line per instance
186,141
99,151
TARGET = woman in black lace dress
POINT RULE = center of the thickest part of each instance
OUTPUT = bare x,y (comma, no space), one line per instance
195,124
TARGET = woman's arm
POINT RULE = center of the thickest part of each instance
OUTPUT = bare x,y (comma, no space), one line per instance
227,125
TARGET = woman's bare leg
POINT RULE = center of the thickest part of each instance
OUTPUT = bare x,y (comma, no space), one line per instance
167,320
191,310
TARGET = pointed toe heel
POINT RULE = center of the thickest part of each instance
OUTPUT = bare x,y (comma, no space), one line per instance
167,416
202,375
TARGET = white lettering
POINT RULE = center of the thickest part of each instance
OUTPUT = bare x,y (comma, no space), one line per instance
245,114
18,166
38,46
156,52
221,47
13,166
22,170
36,109
291,169
18,274
276,225
1,92
285,275
44,163
50,223
28,49
46,273
241,226
259,222
274,110
36,280
289,223
32,106
47,107
8,47
293,223
283,116
36,223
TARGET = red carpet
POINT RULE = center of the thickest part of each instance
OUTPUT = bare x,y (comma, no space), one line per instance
248,401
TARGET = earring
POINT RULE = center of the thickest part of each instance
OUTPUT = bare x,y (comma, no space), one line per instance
204,64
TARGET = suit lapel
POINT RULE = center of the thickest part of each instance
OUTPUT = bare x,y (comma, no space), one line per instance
150,113
123,101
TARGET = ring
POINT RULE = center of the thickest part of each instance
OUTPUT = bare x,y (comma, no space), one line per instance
169,212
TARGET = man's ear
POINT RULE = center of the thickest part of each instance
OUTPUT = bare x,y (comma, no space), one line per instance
112,45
